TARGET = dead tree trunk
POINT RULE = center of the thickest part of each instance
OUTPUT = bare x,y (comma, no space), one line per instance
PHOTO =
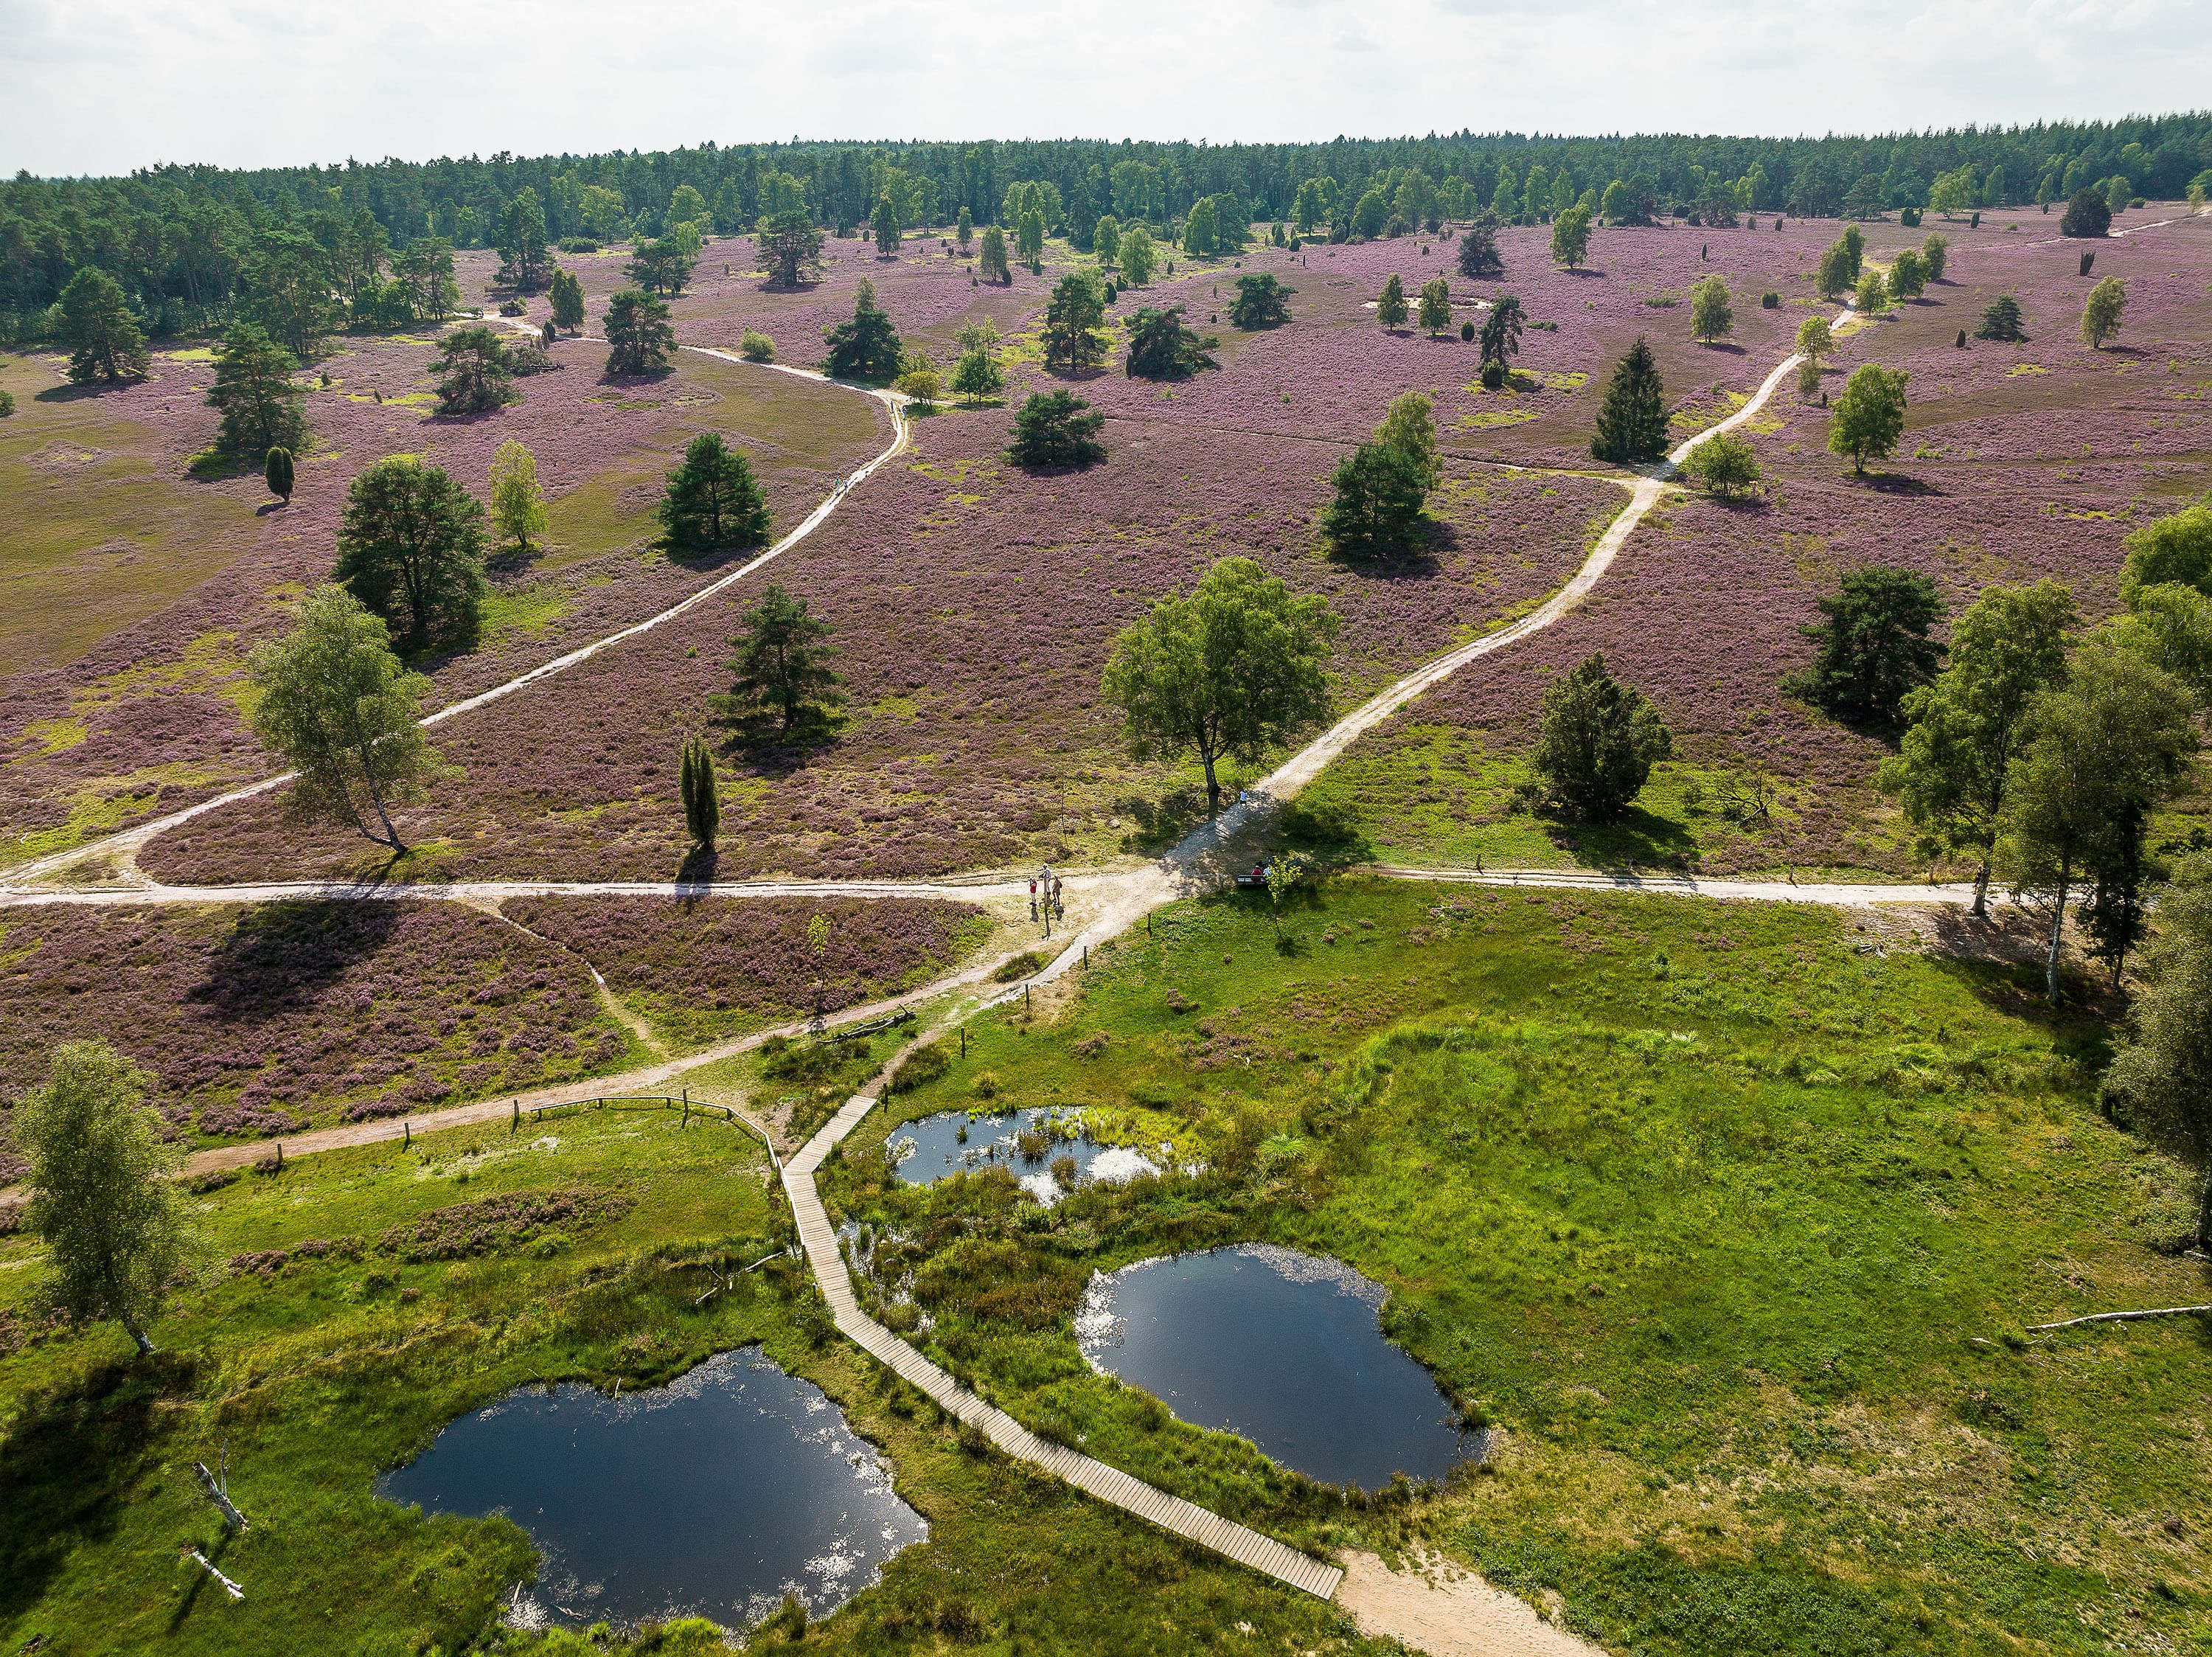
217,1490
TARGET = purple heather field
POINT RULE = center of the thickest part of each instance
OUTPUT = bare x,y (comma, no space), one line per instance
974,604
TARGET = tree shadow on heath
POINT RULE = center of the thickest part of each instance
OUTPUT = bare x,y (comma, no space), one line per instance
1637,839
72,1459
284,955
759,739
1897,482
698,865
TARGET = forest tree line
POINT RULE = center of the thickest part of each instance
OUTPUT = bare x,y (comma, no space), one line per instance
185,243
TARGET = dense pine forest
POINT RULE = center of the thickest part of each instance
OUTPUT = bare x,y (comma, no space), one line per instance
187,243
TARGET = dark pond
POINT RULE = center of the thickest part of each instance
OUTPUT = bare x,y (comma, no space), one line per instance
1286,1349
940,1146
713,1496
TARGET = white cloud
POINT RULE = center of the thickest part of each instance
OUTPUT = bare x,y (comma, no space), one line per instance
95,85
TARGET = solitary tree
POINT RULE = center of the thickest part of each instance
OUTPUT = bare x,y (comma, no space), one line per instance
1631,427
1261,302
1106,239
410,547
990,259
1072,337
1390,309
106,342
1725,464
886,225
789,243
1871,296
1936,254
1056,430
2087,214
712,501
338,705
1409,426
2161,1082
1162,348
2100,316
1569,237
867,349
260,406
1501,338
2105,747
1951,770
1815,339
1908,276
1436,306
1874,644
102,1200
1478,252
277,473
639,338
781,661
475,373
2001,320
1376,510
521,244
1837,271
1599,741
662,266
568,297
1869,416
1139,255
703,805
1238,667
1711,313
976,375
964,231
518,506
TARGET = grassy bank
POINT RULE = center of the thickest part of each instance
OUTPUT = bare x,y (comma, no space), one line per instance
1726,1218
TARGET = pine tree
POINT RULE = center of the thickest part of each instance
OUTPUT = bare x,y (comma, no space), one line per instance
261,407
867,348
712,501
1390,309
639,338
1055,429
1631,427
105,339
781,660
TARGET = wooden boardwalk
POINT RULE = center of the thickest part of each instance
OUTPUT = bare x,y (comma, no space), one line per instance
1185,1519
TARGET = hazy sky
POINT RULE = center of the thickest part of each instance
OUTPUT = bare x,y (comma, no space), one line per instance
101,86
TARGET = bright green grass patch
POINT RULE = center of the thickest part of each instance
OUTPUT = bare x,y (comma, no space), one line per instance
1434,795
322,1369
1726,1218
95,540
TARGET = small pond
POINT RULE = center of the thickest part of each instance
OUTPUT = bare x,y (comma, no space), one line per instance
1026,1141
713,1496
1284,1348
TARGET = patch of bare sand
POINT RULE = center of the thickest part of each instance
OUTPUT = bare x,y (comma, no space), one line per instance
1448,1611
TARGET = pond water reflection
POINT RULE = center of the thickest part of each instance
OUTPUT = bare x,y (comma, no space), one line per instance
1286,1349
713,1496
1028,1142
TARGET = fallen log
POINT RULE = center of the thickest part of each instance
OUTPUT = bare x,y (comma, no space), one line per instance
2120,1317
208,1565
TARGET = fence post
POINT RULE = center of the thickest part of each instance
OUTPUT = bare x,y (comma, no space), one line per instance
515,1122
407,1129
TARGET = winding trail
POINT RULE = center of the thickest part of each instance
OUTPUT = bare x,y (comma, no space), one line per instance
126,846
